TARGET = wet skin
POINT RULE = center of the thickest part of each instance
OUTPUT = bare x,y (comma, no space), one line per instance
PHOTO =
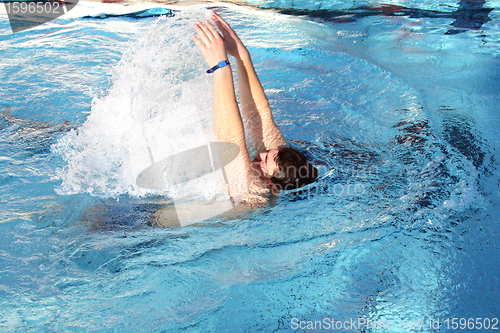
265,163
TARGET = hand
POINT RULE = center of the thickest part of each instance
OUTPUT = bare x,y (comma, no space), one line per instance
232,42
211,44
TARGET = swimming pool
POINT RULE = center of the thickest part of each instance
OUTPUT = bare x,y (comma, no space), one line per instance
398,105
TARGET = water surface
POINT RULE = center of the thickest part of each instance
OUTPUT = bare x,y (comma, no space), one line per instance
398,111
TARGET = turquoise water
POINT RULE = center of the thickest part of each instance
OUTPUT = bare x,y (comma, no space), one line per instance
398,113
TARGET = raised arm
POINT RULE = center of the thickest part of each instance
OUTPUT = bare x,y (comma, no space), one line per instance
254,104
227,120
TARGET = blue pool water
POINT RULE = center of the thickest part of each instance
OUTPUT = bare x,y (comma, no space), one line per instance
397,105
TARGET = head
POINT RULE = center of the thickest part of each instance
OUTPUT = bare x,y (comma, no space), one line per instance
286,168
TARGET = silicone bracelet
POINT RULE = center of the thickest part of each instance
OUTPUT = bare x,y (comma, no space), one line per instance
219,65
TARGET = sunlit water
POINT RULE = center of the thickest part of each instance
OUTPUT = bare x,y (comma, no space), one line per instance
399,114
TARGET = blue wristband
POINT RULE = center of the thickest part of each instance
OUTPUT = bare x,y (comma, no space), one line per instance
219,65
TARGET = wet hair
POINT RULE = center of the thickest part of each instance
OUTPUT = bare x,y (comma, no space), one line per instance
294,171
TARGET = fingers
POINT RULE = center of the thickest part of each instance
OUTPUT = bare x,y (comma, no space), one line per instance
206,31
210,43
212,30
203,32
198,42
219,19
222,28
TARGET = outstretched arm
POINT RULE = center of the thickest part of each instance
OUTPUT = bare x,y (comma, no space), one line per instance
254,104
227,119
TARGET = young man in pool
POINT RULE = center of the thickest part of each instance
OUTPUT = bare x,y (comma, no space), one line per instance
277,166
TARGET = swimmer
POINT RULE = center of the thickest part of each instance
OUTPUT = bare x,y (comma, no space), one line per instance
276,166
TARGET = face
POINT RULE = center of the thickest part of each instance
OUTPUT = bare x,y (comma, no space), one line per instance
265,162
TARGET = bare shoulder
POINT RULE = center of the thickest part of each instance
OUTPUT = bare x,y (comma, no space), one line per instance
254,201
258,193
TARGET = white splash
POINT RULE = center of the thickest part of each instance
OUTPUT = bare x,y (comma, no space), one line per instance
160,98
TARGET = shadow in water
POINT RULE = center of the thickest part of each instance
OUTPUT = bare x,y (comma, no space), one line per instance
469,16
